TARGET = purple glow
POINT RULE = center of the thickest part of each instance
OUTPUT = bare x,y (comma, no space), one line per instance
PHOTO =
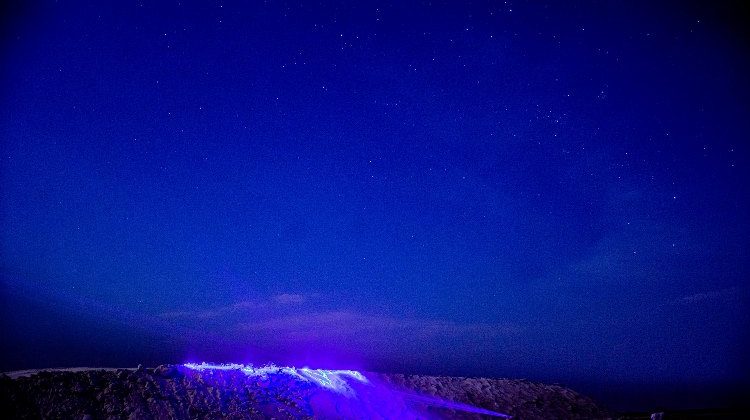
326,378
352,392
438,402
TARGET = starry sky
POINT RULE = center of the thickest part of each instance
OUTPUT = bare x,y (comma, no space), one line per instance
555,191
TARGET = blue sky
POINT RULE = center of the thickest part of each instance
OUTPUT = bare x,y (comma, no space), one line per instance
544,190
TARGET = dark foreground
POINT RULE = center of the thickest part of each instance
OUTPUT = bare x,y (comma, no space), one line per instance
176,392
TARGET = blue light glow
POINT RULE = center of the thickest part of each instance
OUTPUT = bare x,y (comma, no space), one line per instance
334,380
373,396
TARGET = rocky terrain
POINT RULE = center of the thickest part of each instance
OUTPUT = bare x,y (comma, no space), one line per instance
176,392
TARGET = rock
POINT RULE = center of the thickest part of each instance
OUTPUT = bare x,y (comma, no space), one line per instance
165,392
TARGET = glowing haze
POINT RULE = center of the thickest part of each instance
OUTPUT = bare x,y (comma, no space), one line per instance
372,396
334,380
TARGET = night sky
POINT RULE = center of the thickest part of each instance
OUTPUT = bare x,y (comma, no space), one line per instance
553,191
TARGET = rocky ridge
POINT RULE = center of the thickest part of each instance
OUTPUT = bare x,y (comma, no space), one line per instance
174,392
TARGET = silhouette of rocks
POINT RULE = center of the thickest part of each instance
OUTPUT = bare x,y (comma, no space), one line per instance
176,392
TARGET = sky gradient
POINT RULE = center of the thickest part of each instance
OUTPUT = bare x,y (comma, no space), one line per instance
554,191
